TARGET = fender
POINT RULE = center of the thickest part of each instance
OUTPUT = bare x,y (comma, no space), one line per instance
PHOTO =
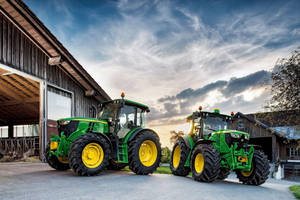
202,141
186,141
132,136
105,137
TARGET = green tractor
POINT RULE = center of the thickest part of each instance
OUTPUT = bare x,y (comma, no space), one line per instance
211,151
113,140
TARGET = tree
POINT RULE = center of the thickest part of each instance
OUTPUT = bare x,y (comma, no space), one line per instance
286,84
165,155
175,135
285,93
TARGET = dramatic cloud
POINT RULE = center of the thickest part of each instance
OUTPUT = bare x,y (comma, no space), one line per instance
231,94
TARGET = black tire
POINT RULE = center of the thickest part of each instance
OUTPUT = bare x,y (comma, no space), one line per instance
211,166
180,170
54,162
113,165
75,154
224,172
260,167
135,163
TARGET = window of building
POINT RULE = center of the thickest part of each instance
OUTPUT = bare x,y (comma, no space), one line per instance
293,152
26,130
240,125
3,131
59,106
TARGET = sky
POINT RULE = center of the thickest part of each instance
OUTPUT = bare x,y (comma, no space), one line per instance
177,55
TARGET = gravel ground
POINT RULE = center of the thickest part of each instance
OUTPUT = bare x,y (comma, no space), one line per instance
38,181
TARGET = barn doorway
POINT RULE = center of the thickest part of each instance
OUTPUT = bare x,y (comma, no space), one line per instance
19,116
265,143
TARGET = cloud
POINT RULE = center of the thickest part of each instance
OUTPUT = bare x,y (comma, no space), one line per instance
244,93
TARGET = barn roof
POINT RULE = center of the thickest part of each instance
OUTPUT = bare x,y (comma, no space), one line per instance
28,23
288,132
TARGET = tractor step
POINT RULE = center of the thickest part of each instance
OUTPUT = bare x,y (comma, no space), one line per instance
123,153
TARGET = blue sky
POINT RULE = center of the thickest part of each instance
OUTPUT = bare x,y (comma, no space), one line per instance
177,55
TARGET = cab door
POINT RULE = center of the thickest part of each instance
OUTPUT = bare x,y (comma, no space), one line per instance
127,120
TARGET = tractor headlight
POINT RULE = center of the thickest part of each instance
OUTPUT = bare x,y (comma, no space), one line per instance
64,122
247,137
235,135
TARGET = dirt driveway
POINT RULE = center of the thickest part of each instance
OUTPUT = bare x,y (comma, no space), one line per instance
38,181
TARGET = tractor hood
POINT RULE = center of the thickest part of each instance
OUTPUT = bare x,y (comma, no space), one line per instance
84,119
78,124
234,133
231,131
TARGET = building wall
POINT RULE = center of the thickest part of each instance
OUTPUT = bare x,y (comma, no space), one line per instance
250,127
18,52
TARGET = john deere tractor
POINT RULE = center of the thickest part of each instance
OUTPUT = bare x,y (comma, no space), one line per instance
113,140
211,151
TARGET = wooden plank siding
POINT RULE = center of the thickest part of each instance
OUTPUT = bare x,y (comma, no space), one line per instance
20,53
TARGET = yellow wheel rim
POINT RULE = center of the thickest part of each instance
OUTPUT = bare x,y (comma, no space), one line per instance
199,163
92,155
63,160
176,156
246,174
148,153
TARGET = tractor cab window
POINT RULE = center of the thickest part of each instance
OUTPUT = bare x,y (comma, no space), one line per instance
195,126
109,111
211,124
127,116
140,117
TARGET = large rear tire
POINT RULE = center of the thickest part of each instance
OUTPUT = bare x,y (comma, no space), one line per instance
54,162
144,153
178,158
89,154
259,172
205,163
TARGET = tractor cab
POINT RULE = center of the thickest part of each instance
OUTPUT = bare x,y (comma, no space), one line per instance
203,124
123,115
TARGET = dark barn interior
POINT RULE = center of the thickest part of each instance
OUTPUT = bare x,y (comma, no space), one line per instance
19,115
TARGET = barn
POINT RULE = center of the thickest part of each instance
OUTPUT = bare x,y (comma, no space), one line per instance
278,135
40,82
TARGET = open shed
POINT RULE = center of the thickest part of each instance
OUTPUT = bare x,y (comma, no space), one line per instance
40,82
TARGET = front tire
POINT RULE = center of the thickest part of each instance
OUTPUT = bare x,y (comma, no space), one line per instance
144,153
224,172
179,156
89,154
205,163
54,162
259,172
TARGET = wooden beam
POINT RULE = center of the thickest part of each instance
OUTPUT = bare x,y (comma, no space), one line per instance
24,101
21,84
3,71
9,91
17,85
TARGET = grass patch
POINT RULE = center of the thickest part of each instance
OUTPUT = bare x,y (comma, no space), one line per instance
295,190
159,170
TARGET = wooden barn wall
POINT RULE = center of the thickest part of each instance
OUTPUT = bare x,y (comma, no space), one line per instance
252,128
18,52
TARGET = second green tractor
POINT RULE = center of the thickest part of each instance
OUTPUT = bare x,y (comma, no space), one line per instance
113,140
211,151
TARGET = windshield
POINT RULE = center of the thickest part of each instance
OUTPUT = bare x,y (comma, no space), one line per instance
109,111
213,124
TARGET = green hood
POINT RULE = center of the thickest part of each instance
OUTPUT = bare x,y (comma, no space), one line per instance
231,131
84,119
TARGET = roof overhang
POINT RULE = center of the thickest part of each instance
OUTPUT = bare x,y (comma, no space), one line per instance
28,23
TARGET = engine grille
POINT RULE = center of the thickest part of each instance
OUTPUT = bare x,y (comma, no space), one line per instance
69,128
